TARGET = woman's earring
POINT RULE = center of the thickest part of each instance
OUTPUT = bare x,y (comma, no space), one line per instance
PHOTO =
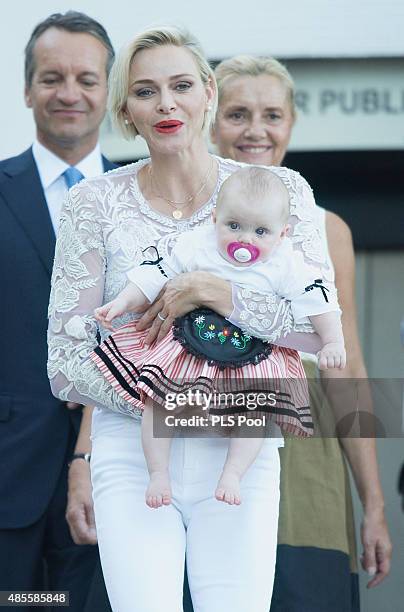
208,108
126,122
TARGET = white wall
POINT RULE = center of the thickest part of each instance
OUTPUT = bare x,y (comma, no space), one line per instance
292,28
380,297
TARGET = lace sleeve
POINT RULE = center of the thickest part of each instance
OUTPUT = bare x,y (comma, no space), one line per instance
77,288
269,317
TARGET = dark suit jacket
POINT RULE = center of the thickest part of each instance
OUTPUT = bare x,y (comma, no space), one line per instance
35,428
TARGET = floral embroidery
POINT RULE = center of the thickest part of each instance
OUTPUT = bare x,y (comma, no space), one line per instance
239,341
76,328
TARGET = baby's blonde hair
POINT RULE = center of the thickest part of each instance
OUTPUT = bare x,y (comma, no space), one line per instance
258,183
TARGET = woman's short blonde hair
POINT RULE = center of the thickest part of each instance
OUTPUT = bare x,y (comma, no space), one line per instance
154,37
248,65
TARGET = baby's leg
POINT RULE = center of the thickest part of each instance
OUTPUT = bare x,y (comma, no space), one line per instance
241,454
157,455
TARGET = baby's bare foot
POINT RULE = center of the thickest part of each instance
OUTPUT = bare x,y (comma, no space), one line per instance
158,492
228,488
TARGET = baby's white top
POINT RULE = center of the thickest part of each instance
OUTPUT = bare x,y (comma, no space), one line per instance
284,273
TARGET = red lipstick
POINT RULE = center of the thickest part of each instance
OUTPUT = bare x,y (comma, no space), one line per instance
169,126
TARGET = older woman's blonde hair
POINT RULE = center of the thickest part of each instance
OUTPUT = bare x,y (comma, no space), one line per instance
248,65
154,37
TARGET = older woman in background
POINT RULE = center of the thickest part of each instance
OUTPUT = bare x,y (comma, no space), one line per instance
316,567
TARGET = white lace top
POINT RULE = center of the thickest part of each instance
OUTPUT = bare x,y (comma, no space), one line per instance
105,224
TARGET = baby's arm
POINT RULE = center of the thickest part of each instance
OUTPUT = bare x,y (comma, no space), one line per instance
145,282
329,328
311,300
130,299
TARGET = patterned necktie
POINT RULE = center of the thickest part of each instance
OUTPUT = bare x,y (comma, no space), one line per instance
72,176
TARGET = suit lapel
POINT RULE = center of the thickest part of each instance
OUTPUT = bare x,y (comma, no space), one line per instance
23,194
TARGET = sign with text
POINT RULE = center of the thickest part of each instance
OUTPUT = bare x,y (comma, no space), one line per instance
349,104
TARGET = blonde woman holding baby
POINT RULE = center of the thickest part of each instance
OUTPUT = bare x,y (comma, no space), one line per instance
163,89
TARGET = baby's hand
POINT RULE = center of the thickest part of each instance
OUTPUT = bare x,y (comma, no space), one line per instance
131,299
332,355
105,314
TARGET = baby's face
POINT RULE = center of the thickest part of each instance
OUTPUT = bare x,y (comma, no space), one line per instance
247,231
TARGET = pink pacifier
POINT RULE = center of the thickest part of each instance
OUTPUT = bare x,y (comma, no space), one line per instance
242,252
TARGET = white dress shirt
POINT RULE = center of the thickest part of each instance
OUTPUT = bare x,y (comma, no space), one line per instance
51,168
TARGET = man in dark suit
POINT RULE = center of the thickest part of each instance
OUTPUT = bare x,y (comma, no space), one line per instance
67,60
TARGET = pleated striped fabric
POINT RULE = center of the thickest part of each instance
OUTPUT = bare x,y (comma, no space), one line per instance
166,368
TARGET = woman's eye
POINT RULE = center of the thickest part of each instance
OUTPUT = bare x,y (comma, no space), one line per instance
144,93
183,86
236,116
234,226
273,117
261,231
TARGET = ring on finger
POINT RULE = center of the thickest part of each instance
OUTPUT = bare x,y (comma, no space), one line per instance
161,316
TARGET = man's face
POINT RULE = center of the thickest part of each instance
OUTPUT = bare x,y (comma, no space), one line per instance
68,92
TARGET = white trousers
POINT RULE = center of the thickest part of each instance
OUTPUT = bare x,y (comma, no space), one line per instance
230,550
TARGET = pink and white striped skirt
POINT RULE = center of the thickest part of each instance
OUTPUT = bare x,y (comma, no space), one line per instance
136,372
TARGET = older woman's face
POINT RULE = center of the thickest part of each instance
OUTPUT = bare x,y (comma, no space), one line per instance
167,99
254,120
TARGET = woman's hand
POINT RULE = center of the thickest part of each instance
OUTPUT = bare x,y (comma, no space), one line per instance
377,548
182,294
80,511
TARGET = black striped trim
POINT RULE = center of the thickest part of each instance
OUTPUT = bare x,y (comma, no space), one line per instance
115,372
164,380
122,360
162,388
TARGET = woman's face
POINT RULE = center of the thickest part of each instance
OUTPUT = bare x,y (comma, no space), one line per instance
167,99
254,120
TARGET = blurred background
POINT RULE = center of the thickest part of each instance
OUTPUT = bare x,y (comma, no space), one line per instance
347,59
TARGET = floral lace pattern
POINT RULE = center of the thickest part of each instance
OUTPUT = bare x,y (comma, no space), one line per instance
105,225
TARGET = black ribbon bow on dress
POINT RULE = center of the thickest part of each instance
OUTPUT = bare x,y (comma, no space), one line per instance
155,262
318,284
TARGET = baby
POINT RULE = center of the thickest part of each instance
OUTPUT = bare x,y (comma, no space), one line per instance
247,244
